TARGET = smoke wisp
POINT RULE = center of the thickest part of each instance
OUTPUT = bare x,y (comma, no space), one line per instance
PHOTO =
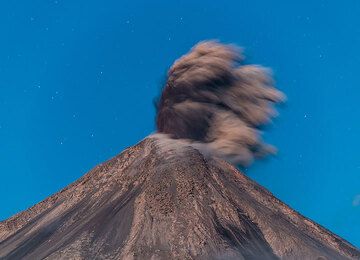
217,103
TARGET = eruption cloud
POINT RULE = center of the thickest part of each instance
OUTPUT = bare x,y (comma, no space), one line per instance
217,103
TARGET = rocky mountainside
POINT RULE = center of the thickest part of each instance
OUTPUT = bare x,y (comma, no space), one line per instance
161,199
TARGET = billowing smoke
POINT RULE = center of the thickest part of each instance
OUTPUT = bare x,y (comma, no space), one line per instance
217,103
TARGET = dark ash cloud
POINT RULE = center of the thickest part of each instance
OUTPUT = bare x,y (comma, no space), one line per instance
217,103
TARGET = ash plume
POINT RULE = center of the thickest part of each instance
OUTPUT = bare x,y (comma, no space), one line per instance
217,103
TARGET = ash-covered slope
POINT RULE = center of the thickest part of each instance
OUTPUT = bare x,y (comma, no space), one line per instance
161,199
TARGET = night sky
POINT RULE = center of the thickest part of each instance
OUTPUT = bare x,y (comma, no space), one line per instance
78,80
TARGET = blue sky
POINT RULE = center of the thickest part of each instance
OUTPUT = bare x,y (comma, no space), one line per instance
78,79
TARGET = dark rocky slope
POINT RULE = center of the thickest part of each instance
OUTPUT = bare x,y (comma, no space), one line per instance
161,199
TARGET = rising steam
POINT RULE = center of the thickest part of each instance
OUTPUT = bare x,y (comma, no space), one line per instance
218,104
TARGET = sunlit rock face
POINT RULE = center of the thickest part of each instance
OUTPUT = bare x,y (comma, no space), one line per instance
162,199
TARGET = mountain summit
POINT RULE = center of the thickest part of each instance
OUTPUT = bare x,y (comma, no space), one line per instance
162,199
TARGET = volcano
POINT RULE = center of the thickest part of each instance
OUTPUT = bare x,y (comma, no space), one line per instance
162,199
